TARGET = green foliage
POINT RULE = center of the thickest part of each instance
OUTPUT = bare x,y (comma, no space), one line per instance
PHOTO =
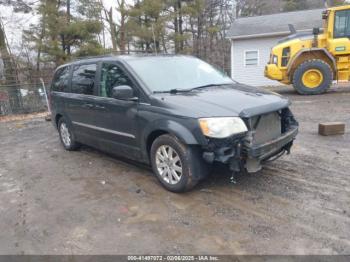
293,5
90,48
338,2
252,7
59,36
146,23
90,9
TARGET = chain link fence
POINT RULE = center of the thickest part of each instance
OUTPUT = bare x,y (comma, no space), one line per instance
22,99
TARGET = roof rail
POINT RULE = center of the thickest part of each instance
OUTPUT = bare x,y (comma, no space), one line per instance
116,53
92,57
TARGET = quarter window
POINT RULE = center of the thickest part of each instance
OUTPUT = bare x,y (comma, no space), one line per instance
112,76
342,24
251,58
83,80
60,81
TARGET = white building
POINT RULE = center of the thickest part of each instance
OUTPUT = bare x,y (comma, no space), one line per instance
253,37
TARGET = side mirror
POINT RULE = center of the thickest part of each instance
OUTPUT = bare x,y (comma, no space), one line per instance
316,31
325,15
123,93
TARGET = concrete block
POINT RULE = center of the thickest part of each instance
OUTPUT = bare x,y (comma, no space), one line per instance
331,128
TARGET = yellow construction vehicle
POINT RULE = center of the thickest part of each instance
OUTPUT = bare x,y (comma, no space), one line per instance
311,62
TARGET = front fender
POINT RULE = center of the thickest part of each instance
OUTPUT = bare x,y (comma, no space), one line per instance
188,135
185,134
324,51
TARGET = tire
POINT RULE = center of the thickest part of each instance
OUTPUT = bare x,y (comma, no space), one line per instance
312,77
193,168
66,135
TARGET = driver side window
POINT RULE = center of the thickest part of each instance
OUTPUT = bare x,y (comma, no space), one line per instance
342,24
112,76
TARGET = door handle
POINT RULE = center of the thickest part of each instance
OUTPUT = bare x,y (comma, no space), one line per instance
100,107
88,105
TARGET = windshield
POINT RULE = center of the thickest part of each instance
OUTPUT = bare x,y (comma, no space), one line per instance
177,73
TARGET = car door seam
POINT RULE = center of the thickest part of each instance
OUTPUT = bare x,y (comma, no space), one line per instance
104,130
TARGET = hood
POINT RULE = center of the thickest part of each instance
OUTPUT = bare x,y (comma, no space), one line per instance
299,35
221,101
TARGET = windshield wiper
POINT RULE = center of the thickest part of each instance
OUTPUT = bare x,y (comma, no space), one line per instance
172,91
209,85
175,91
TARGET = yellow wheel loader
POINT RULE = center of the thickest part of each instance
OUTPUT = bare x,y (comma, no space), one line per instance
311,62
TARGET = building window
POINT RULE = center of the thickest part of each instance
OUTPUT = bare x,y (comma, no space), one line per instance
251,58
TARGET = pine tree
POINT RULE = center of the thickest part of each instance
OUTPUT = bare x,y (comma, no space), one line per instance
147,25
59,35
336,2
293,5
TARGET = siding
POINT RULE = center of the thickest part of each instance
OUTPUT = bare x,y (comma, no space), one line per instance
252,75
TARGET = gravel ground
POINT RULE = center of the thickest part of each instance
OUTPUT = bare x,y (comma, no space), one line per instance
87,202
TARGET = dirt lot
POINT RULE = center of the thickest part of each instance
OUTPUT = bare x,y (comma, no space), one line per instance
86,202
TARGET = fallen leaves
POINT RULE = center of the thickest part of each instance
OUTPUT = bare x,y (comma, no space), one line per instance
11,118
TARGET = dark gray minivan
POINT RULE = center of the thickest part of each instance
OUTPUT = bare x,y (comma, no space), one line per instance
177,113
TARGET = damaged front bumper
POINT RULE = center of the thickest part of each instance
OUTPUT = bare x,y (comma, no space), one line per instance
263,151
242,154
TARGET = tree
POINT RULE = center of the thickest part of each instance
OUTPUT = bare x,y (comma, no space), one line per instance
292,5
147,24
112,27
251,7
335,2
18,5
122,32
59,35
10,67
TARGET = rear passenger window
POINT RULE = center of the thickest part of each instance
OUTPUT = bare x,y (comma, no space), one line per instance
83,81
60,81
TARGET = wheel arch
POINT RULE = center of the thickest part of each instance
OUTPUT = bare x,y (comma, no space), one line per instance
57,118
159,128
152,137
311,54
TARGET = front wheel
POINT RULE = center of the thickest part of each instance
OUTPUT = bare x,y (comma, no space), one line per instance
312,77
177,166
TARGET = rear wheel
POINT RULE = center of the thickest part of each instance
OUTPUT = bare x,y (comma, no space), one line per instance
66,135
177,166
313,77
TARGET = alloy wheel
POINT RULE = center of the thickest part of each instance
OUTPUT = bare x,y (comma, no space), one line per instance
169,164
65,135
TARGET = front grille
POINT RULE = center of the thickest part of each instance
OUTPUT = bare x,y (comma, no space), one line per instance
267,127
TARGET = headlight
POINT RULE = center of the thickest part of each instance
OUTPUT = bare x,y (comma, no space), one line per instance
275,60
222,127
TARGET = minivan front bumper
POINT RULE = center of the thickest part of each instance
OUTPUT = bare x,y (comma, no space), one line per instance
265,150
246,153
237,151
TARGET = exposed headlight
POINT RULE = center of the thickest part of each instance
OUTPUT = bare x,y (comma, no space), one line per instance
222,127
275,60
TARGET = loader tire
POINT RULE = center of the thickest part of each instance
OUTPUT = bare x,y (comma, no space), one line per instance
312,77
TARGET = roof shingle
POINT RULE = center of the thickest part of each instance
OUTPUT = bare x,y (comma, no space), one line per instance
275,24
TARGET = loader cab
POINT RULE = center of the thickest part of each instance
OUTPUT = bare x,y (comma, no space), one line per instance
338,30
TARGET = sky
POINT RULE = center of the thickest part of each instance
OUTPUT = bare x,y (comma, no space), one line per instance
14,23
